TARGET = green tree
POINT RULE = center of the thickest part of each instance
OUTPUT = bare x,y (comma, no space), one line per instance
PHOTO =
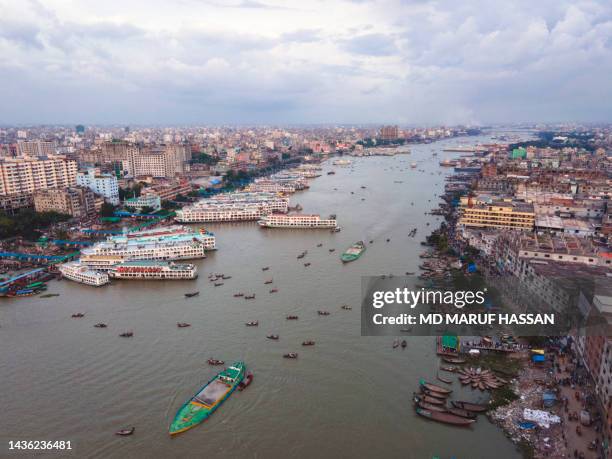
107,210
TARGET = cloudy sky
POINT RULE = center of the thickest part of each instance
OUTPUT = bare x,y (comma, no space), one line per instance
306,61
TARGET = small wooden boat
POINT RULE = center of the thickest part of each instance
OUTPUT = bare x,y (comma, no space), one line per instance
301,255
454,360
445,418
100,325
388,239
307,264
474,407
404,344
269,281
238,295
252,323
427,406
409,273
437,395
218,284
126,334
125,432
346,307
444,380
396,343
78,315
183,325
246,382
249,297
332,250
323,313
291,355
274,290
225,277
265,268
449,369
319,245
308,343
433,401
292,317
434,388
192,294
274,337
462,413
215,362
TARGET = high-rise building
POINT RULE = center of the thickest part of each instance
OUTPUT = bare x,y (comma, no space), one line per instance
34,148
26,175
105,185
161,161
389,133
78,202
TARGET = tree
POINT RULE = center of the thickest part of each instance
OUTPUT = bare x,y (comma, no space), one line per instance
107,210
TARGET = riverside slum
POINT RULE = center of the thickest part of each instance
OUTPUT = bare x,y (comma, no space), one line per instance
555,414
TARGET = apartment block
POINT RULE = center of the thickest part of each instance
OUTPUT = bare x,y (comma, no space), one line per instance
35,148
24,175
78,202
105,185
497,214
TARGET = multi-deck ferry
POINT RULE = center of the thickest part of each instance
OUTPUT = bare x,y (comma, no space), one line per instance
297,221
174,243
221,212
274,200
77,272
153,270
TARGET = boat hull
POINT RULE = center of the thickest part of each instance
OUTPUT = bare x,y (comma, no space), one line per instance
208,399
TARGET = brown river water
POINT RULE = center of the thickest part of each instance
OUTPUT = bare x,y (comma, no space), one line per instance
347,396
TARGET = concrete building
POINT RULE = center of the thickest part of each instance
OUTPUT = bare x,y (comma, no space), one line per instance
169,191
11,203
24,175
389,133
160,161
103,184
497,214
145,200
34,148
79,202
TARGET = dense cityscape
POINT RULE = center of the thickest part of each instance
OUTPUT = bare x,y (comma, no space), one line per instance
95,204
287,229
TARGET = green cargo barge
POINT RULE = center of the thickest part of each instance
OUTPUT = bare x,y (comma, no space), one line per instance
353,252
204,403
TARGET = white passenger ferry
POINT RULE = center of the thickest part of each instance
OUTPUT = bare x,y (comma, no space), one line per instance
297,221
77,272
220,212
178,244
153,270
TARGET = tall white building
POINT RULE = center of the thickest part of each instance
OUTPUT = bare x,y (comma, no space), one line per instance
25,175
103,184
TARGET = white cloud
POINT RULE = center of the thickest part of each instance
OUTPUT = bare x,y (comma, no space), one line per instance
290,61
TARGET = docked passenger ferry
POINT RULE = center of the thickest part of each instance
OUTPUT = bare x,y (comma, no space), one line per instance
77,272
153,270
173,243
297,221
221,212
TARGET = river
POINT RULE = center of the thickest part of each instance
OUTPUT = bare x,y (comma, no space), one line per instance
347,396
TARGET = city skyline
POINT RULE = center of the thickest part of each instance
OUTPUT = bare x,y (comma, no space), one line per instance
285,63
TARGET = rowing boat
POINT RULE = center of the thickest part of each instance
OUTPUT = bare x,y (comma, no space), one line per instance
462,413
428,406
206,401
434,388
446,418
475,407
